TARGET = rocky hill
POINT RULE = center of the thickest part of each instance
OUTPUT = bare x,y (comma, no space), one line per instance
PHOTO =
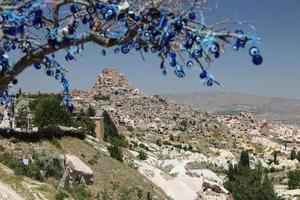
279,110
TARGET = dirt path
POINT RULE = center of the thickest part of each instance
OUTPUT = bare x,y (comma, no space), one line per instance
7,193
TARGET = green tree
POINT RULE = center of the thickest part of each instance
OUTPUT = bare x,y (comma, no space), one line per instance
248,184
244,160
87,125
293,154
48,111
142,155
110,129
115,152
91,112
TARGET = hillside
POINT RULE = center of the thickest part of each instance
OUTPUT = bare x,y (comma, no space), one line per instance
286,111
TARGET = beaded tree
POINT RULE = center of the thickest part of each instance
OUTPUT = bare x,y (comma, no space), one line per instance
175,30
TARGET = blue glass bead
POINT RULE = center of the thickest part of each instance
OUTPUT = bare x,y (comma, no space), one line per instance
37,66
153,49
257,59
38,13
173,55
13,47
192,16
117,50
85,20
74,8
190,64
103,52
15,81
125,49
203,75
1,19
70,108
164,73
49,72
173,63
210,82
253,51
90,10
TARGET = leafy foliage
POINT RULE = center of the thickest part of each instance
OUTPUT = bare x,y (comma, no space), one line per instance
48,163
142,155
32,170
49,112
249,184
115,152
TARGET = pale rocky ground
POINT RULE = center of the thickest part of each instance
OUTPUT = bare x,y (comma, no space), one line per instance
7,193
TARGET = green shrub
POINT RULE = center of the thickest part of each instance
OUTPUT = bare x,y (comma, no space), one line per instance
142,155
115,152
158,142
79,192
31,170
143,146
167,143
61,196
95,158
294,179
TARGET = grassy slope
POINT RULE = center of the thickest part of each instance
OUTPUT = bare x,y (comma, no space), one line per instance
110,175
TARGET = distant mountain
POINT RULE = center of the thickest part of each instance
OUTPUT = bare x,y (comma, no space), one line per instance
281,110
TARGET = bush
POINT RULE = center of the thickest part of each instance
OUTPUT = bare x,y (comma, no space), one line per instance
61,196
143,146
115,152
48,163
79,192
294,179
142,155
167,143
31,170
42,134
158,142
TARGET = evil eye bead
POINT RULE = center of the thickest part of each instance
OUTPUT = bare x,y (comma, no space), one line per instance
15,82
210,82
70,108
116,50
149,18
37,66
38,13
27,44
192,16
164,73
49,72
173,55
137,46
173,63
215,48
254,51
74,8
45,60
190,64
85,20
203,75
13,46
153,49
125,49
179,72
257,59
90,10
1,19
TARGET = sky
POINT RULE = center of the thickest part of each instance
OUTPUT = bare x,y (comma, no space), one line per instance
277,23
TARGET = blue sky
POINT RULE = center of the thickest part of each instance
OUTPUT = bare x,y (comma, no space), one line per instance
277,23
